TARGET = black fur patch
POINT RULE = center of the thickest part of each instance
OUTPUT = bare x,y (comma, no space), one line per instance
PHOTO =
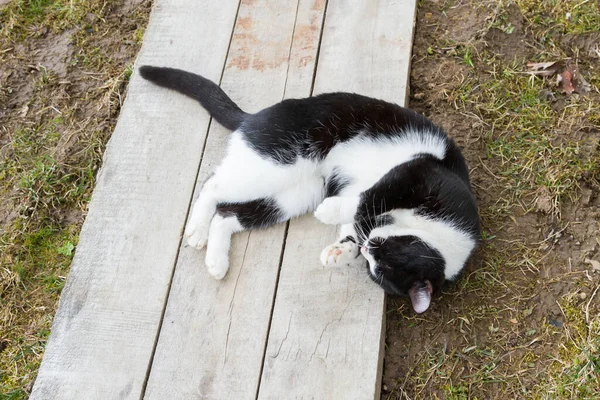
348,239
335,184
206,92
383,220
310,127
405,260
260,213
427,185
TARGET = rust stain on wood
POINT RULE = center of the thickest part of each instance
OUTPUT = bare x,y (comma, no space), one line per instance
245,23
318,5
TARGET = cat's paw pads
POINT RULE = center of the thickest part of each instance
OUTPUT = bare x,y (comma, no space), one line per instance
330,211
217,266
196,235
339,254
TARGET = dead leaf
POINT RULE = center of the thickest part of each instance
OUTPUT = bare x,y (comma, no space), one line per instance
544,68
564,81
595,264
570,80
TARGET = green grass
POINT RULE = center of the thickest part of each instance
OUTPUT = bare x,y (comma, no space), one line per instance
531,157
535,160
33,18
56,137
558,17
32,259
579,378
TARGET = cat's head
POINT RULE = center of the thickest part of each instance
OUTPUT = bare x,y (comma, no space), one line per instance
405,266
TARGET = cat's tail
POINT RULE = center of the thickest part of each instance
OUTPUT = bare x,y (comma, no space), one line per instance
209,94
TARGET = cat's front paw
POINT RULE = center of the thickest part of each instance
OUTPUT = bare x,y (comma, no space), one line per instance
196,234
337,210
217,266
339,254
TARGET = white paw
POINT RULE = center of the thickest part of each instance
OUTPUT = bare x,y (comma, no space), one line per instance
339,254
197,235
216,266
330,211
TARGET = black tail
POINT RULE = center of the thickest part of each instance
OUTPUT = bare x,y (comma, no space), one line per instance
211,96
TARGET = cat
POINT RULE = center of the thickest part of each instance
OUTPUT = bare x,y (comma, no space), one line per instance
395,182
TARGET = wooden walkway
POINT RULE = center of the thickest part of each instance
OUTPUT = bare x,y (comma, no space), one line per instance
140,317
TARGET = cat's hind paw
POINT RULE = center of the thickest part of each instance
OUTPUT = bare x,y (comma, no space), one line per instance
217,266
339,254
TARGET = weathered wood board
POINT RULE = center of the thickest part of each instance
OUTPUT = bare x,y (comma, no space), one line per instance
220,327
107,322
140,317
328,325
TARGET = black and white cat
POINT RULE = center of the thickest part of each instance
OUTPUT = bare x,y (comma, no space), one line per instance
394,181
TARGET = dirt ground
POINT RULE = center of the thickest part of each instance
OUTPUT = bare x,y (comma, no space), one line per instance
523,320
64,66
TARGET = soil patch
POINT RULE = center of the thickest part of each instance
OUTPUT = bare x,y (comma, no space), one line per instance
64,68
507,328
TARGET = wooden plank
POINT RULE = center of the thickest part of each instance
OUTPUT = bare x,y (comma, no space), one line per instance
214,333
107,322
327,331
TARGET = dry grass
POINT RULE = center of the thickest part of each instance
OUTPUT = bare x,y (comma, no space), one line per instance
64,66
524,320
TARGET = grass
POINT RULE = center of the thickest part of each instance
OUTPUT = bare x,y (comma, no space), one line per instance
524,321
54,137
579,378
23,19
523,132
558,17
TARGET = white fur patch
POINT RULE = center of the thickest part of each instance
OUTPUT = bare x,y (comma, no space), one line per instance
245,175
366,160
370,260
219,242
337,210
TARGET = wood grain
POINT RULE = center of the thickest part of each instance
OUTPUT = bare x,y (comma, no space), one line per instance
214,333
327,331
107,322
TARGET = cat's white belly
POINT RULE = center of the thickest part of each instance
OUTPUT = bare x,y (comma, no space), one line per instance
366,160
298,188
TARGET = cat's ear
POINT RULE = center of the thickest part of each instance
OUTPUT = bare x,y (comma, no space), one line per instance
420,296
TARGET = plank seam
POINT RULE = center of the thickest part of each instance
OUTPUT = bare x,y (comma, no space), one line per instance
166,302
287,225
314,77
287,72
262,363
